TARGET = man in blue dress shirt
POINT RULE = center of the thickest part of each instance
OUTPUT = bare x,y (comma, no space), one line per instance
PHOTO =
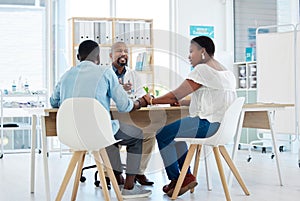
131,82
88,79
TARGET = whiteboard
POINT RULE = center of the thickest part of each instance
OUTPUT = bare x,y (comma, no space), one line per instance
275,75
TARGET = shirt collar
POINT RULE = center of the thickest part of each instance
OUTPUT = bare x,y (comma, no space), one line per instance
117,72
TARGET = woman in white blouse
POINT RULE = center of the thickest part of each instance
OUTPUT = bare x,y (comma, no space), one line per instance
212,90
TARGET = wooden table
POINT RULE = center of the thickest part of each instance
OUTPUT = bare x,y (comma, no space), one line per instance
260,115
149,119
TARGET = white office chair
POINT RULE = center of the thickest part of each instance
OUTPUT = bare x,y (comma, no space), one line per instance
224,135
84,125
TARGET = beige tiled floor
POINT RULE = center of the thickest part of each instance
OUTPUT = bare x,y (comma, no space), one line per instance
260,176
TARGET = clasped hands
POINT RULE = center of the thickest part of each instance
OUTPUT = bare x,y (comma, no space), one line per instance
148,100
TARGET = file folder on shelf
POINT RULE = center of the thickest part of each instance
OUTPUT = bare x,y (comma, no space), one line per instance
108,32
147,32
88,30
127,33
137,33
104,56
118,32
97,32
103,33
142,33
79,32
131,33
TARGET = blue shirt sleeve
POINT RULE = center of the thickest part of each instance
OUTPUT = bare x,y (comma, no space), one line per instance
55,98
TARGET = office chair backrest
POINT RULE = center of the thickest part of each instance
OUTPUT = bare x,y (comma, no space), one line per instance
228,126
84,124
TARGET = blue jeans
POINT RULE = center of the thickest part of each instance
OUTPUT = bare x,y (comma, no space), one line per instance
174,153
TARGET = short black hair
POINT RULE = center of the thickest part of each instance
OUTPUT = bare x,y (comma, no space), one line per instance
205,42
88,49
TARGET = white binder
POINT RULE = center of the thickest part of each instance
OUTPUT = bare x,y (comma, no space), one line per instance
77,33
81,31
104,56
108,34
142,33
147,32
88,31
117,31
131,33
102,32
127,33
137,33
97,32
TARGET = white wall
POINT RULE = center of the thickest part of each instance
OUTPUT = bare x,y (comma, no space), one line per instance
217,13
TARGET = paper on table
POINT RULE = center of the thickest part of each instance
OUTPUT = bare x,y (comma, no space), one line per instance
160,105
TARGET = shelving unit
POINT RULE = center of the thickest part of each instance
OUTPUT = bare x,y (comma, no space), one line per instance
136,33
16,110
245,73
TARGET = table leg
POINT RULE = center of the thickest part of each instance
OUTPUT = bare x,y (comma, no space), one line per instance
271,115
33,140
45,158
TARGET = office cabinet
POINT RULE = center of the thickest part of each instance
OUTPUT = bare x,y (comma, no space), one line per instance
16,111
245,73
136,33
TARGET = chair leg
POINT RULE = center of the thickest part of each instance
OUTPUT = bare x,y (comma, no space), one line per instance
184,169
221,172
74,160
196,164
101,175
207,168
78,175
233,169
111,174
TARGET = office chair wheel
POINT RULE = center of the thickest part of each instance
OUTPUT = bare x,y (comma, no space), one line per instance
97,183
264,150
82,179
1,156
239,147
272,156
281,148
249,159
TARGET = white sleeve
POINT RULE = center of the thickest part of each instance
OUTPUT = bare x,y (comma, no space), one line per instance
137,84
206,76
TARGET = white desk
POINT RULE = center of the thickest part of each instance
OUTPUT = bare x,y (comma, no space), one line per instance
260,115
48,124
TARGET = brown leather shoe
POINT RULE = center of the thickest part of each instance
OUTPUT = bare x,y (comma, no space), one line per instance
169,186
142,179
189,182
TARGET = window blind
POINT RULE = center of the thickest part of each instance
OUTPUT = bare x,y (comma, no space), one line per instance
248,15
22,47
